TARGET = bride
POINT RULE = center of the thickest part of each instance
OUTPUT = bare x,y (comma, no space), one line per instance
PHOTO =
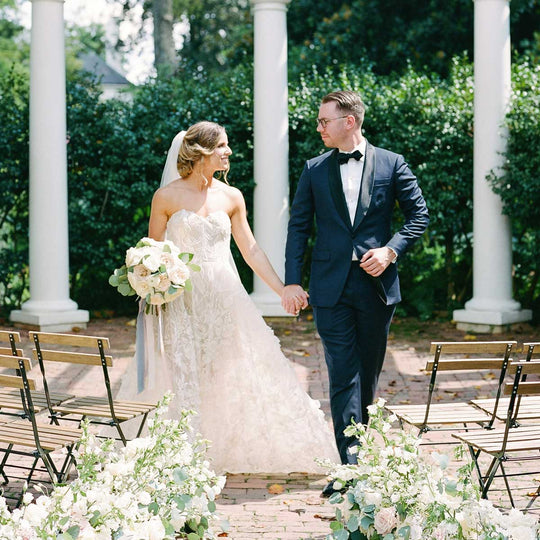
220,358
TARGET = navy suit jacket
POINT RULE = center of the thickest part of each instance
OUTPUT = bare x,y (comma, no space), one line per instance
386,179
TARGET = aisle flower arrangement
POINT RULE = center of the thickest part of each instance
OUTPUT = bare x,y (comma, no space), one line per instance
155,271
398,493
156,487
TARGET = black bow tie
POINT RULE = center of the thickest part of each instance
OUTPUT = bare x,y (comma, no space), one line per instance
343,157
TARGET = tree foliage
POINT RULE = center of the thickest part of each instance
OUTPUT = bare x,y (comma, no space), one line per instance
390,34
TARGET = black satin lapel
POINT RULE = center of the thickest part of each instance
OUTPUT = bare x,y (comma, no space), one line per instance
366,189
336,188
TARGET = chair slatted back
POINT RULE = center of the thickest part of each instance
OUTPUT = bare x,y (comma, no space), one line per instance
521,386
20,381
532,349
11,337
466,364
501,349
11,362
472,347
74,342
71,357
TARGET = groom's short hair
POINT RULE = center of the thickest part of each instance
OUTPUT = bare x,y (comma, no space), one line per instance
347,101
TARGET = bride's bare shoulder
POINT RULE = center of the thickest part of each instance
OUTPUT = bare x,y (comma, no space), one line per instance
228,190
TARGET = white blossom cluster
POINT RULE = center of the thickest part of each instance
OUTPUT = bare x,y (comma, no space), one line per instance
397,493
156,487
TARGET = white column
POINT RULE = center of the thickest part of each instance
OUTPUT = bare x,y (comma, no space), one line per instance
492,306
49,307
271,140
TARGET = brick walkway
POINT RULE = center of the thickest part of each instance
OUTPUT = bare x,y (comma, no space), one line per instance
290,506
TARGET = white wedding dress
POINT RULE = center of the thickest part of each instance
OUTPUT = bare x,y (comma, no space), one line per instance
223,361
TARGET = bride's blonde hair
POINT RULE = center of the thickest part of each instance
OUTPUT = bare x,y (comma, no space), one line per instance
200,140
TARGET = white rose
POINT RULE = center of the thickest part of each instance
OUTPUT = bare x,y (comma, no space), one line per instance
177,519
153,281
179,273
139,274
133,256
151,261
35,514
120,468
168,259
157,530
163,283
385,521
145,498
141,288
372,497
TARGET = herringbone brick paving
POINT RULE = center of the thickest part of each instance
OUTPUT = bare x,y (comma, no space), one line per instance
289,506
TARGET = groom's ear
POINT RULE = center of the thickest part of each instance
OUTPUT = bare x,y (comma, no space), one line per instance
350,122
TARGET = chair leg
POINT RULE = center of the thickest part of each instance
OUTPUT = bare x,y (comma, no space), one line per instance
507,486
121,433
68,463
488,478
474,457
3,464
533,498
143,421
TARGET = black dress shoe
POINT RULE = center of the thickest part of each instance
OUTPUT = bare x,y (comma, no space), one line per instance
329,489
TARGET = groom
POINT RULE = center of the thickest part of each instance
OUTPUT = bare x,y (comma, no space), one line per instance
351,191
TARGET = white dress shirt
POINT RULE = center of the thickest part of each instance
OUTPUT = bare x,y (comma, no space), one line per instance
351,180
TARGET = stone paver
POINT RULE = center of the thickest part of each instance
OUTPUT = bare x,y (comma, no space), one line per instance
290,506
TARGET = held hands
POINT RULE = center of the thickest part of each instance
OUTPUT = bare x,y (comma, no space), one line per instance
293,299
376,260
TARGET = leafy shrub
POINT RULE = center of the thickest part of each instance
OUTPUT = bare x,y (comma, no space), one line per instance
117,150
14,188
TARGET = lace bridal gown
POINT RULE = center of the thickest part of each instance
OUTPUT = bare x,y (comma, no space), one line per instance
224,362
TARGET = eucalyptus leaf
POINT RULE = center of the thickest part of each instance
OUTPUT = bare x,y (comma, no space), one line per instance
185,257
180,476
352,523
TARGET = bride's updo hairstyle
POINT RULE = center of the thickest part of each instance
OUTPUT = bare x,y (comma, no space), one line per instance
200,140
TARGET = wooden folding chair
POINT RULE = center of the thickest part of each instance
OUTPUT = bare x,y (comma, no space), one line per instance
99,410
448,414
36,440
10,399
510,443
526,407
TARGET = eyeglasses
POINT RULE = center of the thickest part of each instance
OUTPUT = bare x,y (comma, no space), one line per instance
323,122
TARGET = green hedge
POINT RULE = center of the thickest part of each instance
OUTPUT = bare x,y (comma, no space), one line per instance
117,150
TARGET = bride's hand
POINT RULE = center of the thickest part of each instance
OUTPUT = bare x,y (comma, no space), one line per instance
293,299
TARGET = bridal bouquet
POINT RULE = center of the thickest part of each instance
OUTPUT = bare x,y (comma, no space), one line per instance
398,493
155,271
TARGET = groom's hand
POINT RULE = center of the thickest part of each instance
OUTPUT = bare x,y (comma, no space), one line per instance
376,260
293,299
